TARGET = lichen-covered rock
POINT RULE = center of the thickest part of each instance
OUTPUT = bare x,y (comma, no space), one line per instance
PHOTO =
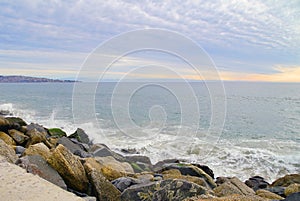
18,136
71,146
38,149
37,165
293,188
57,132
123,183
7,139
103,189
176,174
36,136
140,163
4,124
287,180
16,122
165,190
233,186
228,198
267,194
69,167
107,171
187,169
7,152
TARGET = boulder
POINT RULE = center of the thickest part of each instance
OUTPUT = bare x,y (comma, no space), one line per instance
38,127
7,139
159,166
38,149
102,188
256,183
293,197
293,188
18,136
176,174
287,180
267,194
228,198
175,190
7,152
277,190
37,165
57,132
16,122
81,136
71,146
139,163
233,186
101,150
19,150
4,124
69,167
112,163
123,183
36,136
206,169
187,169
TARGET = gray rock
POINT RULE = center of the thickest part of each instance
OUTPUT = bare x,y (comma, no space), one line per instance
81,136
38,127
18,136
279,190
101,150
37,165
256,183
71,146
293,197
172,190
124,182
20,150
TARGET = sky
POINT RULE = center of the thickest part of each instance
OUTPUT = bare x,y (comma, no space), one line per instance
257,40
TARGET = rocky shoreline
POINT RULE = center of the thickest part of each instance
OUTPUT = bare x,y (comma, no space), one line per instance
92,172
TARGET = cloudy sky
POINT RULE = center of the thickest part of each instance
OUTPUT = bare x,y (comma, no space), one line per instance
257,40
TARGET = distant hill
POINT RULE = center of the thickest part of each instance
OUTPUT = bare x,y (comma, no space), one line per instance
27,79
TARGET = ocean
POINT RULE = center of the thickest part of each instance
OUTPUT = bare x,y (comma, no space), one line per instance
257,124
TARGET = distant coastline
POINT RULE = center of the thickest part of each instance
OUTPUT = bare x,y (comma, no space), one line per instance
28,79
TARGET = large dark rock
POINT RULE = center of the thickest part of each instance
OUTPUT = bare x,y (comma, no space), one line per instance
4,124
16,122
139,163
293,197
70,145
206,169
70,168
81,136
279,190
36,136
192,170
256,183
175,190
37,165
38,127
159,166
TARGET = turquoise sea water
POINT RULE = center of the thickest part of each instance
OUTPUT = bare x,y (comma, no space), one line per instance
260,135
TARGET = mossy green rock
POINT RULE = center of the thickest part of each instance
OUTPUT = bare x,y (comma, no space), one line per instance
57,132
16,121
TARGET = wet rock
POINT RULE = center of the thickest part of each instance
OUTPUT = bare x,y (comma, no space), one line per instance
221,180
35,137
16,122
38,149
277,190
293,197
123,183
7,152
81,136
18,136
130,151
57,132
233,186
100,150
71,146
139,163
287,180
267,194
187,169
7,139
37,165
69,167
103,189
38,127
256,183
206,169
293,188
176,174
159,166
175,190
4,124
